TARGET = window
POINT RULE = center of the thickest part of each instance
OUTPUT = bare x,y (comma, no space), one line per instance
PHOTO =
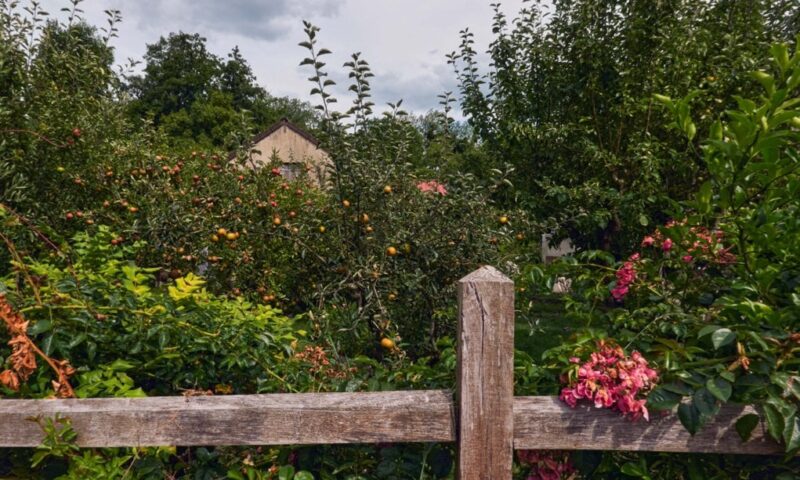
290,171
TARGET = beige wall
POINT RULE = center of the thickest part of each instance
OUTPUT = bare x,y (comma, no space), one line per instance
551,253
293,148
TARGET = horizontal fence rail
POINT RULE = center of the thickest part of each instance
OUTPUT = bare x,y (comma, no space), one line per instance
543,423
271,419
547,423
484,418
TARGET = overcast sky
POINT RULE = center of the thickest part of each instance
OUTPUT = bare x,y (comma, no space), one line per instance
405,41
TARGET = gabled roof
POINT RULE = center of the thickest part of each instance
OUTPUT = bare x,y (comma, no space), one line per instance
284,122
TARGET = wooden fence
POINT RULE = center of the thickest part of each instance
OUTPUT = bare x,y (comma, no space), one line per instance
484,417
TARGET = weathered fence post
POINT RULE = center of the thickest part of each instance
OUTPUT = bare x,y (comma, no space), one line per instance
485,384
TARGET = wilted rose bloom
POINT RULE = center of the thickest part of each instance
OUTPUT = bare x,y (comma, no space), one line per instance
609,379
648,241
625,276
10,380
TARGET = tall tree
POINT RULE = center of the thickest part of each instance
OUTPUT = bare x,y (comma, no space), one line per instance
236,78
178,71
197,97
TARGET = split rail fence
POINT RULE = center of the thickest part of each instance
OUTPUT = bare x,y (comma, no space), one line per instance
484,417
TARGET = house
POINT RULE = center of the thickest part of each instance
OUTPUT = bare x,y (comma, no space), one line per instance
295,149
551,253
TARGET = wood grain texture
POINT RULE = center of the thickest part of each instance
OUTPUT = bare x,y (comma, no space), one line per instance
275,419
485,383
547,423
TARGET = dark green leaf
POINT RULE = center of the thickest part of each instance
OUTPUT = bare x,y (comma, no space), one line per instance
689,417
774,421
720,388
745,425
634,470
722,337
705,402
792,437
40,326
678,387
47,344
286,472
662,399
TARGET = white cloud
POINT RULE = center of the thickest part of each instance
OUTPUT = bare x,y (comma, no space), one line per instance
403,40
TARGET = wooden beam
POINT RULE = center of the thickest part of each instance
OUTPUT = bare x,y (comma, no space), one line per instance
547,423
415,416
275,419
485,383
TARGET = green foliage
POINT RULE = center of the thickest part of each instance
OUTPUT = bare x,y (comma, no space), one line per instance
196,97
157,264
567,102
714,299
102,310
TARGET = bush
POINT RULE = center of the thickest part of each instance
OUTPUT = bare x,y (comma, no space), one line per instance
711,297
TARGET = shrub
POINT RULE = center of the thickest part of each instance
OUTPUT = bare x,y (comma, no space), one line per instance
711,297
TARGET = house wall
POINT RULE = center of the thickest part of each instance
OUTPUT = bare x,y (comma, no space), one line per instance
551,253
293,148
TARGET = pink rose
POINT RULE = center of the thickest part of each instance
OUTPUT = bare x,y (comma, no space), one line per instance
667,245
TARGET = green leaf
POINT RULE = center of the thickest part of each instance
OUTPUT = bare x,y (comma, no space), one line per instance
791,434
40,326
691,130
303,475
704,197
707,330
793,386
705,402
662,399
286,472
720,388
689,417
774,421
47,344
722,337
634,470
663,99
79,338
678,387
745,426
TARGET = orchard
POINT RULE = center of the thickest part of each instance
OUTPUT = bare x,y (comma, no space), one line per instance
144,253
